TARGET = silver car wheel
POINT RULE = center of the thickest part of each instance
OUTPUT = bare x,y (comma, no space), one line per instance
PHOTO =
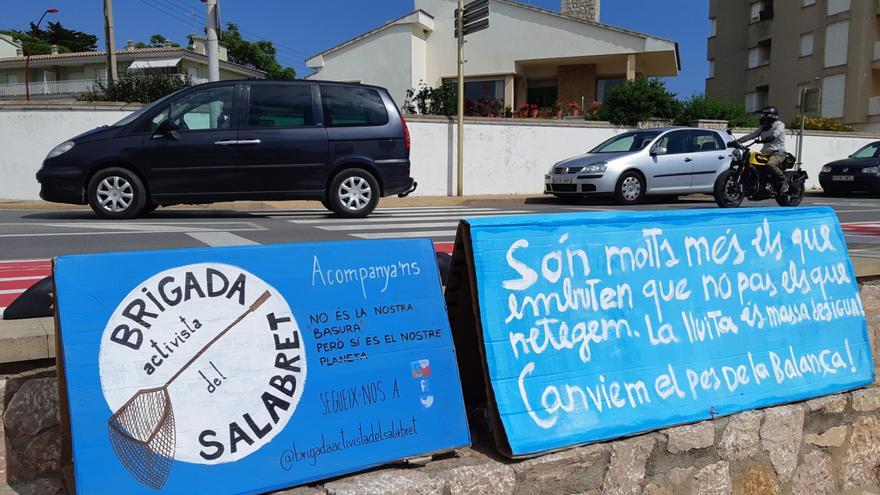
115,194
355,193
631,188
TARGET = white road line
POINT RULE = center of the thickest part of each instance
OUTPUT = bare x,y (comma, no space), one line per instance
19,279
12,291
397,235
408,218
215,239
458,213
382,211
425,225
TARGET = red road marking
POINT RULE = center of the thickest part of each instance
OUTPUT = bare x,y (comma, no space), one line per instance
444,247
868,229
18,276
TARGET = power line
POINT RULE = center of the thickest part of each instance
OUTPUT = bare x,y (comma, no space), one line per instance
171,14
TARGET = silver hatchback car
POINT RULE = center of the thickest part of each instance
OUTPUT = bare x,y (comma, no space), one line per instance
651,161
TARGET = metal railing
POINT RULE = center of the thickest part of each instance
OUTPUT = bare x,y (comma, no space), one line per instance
874,105
66,87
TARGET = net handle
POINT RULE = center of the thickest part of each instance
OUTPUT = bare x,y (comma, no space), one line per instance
253,307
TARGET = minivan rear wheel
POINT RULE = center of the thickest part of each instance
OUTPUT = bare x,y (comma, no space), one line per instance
117,193
354,193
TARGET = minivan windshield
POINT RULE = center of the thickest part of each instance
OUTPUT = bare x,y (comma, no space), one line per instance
628,141
144,109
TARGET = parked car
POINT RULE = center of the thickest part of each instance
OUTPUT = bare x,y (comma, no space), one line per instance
635,164
343,144
859,172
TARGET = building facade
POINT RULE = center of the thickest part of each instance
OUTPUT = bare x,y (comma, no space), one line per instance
528,54
768,52
66,75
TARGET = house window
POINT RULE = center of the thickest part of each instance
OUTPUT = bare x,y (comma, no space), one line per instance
807,3
12,79
755,10
758,99
759,55
711,69
101,73
487,88
833,96
760,11
713,27
836,43
806,44
838,6
604,85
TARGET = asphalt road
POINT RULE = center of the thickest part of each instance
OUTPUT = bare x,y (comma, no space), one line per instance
35,234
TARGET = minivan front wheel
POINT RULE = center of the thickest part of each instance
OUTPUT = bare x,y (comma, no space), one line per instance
354,193
117,193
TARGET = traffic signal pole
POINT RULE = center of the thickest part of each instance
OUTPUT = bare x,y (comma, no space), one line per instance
460,161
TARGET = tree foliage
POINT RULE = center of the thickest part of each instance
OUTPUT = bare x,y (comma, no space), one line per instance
40,41
425,100
708,107
256,54
138,86
820,124
638,100
156,41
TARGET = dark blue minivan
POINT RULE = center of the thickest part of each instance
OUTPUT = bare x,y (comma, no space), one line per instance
343,144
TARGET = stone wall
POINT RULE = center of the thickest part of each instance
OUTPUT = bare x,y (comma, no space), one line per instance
828,445
576,82
587,10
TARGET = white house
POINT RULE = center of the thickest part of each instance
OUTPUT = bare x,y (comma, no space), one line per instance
528,54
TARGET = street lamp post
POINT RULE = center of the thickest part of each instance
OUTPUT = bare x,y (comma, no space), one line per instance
27,61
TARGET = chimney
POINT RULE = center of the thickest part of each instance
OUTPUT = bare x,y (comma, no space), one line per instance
19,52
54,49
587,10
129,45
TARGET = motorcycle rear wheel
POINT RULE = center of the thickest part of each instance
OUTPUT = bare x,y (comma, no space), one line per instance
728,192
793,197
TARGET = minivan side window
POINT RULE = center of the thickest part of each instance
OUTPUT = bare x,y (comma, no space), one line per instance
210,109
288,105
352,106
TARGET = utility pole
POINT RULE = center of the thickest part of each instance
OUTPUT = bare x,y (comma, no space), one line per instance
211,48
110,41
460,162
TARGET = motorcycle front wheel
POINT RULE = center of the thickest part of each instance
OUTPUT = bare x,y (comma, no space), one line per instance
793,197
728,191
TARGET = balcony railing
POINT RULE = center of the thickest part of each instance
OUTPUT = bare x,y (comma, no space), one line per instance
69,87
874,105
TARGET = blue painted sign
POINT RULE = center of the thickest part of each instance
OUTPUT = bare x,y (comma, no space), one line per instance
241,370
601,325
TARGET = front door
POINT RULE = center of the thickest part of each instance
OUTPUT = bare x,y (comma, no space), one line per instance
281,146
196,159
710,157
671,171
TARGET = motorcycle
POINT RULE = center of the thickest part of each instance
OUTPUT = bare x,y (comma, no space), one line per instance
749,177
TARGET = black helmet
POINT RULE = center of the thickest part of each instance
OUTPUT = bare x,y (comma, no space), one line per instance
769,114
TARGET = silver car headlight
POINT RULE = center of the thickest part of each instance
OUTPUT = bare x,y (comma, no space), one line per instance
60,149
595,168
871,170
826,169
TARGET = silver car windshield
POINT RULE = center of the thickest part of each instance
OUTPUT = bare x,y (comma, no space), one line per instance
627,142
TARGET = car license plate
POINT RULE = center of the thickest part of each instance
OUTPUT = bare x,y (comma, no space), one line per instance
560,180
844,178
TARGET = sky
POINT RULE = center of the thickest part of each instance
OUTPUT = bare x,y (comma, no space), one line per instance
300,28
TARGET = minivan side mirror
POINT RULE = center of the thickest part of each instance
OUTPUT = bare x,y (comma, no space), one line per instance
730,131
659,150
167,129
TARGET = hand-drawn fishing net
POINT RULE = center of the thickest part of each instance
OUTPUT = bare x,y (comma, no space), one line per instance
142,430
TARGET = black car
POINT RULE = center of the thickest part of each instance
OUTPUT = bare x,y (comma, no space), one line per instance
859,172
343,144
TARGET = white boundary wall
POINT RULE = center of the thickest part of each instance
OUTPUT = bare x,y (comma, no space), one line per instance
501,156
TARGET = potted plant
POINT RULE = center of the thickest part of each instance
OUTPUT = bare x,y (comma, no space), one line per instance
593,112
508,111
523,111
572,108
533,111
557,109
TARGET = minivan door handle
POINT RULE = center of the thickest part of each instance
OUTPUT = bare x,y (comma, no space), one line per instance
248,141
688,159
229,142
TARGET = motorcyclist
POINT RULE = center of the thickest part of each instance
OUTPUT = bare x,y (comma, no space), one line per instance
772,136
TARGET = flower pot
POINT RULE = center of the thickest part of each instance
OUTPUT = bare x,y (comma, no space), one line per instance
573,112
533,114
559,114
